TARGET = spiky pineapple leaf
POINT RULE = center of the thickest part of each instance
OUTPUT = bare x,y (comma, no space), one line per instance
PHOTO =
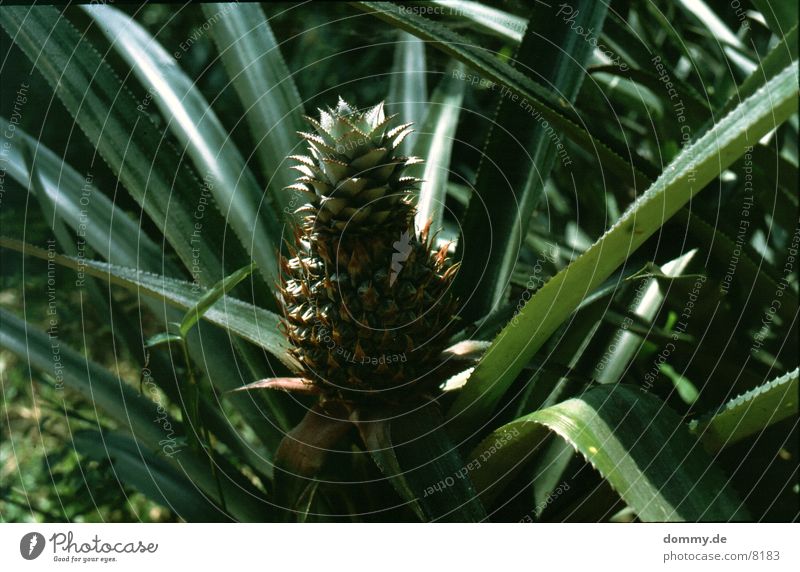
200,133
557,111
695,167
249,322
499,22
135,149
133,413
376,436
65,188
408,88
272,105
423,465
639,445
435,144
115,236
749,413
519,155
148,473
104,306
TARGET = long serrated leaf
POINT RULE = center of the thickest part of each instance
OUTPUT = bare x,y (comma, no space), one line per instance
131,411
408,89
377,439
135,149
272,105
749,413
424,466
77,247
639,445
498,21
115,236
199,131
48,207
528,92
251,323
149,474
435,145
77,201
692,169
518,158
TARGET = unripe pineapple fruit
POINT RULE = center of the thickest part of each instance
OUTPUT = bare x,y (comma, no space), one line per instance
367,305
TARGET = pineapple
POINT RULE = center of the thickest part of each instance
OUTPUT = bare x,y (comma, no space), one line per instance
367,305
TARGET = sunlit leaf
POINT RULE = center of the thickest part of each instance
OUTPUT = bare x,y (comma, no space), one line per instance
694,168
634,441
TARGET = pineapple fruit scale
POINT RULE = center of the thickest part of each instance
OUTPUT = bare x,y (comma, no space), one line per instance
367,304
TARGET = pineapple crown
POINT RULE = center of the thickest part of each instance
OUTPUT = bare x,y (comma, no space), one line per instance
351,179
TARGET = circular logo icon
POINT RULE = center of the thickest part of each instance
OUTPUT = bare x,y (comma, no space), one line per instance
31,545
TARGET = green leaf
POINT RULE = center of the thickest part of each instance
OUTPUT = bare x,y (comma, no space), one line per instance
435,145
149,168
414,452
645,303
408,89
753,273
697,108
49,207
249,322
376,435
77,201
639,446
519,155
147,473
76,247
121,402
692,169
272,105
164,338
526,91
497,21
212,296
719,34
550,479
119,239
749,413
687,390
69,368
780,15
199,132
623,93
781,55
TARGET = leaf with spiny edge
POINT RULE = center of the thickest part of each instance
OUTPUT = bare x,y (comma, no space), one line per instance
749,413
